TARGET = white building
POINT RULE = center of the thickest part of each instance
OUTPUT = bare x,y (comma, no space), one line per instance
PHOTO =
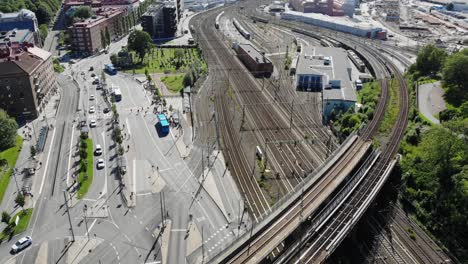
327,70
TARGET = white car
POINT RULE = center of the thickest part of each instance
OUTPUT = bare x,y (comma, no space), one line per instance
91,110
98,150
21,244
92,123
91,97
100,164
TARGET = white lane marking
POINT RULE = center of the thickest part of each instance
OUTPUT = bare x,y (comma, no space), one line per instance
128,126
104,192
91,227
178,230
69,155
47,161
134,177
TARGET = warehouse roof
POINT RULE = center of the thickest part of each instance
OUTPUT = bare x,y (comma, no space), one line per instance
333,64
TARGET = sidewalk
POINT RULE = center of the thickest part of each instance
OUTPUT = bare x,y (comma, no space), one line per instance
22,180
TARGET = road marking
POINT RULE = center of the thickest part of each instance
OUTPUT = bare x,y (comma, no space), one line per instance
128,126
47,161
134,177
178,230
69,155
144,194
91,227
104,191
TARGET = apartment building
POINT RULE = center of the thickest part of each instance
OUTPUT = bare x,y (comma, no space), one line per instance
27,79
160,21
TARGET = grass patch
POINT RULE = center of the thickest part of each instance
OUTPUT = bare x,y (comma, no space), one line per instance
391,112
161,60
23,223
85,178
370,93
174,82
10,155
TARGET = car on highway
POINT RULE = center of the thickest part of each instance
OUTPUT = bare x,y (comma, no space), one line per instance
100,164
91,110
92,123
91,97
106,110
21,244
97,150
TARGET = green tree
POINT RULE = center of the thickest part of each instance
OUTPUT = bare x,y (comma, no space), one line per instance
8,127
103,40
140,42
430,60
107,35
114,59
449,7
455,77
83,12
20,200
43,13
6,217
32,151
43,31
187,81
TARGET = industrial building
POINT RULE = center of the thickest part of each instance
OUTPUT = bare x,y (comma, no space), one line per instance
326,7
23,19
27,79
326,70
343,24
160,21
254,60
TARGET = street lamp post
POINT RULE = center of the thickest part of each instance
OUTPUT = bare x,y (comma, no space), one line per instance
85,209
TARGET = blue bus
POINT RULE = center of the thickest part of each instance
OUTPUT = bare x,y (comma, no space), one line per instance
109,68
163,124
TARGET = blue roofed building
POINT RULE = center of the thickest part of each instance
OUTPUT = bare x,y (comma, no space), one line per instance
23,19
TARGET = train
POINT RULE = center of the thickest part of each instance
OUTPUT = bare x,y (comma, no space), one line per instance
259,19
307,33
357,61
217,20
327,42
241,29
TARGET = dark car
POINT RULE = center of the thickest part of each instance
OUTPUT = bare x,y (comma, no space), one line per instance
106,110
91,68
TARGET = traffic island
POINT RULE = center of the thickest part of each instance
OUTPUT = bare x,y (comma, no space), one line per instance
85,176
16,224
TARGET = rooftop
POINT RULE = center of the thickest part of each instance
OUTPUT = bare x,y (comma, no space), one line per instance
16,35
333,64
254,53
102,16
20,15
21,59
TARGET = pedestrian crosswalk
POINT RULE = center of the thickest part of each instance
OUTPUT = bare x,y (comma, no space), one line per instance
99,116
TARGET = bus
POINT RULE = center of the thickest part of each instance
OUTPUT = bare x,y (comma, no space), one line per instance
109,68
163,124
117,94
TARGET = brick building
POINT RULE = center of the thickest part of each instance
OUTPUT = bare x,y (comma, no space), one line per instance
86,35
27,79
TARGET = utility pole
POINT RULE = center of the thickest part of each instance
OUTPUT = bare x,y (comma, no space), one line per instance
85,209
68,212
15,170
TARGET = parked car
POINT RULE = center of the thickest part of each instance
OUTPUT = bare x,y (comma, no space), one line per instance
106,110
100,164
97,150
21,244
91,110
91,97
92,123
91,68
93,74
